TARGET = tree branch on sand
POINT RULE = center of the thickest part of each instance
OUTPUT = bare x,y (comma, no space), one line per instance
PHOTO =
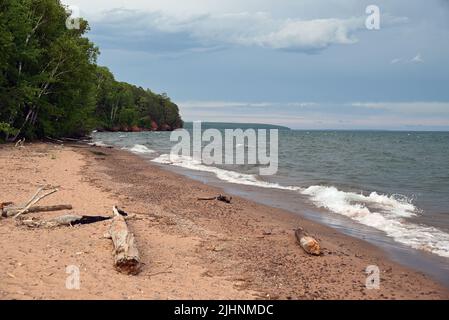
219,198
10,211
66,220
35,199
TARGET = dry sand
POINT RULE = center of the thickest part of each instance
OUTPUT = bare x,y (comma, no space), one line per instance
191,249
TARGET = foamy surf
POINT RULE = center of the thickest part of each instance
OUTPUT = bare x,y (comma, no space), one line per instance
386,213
382,212
140,149
222,174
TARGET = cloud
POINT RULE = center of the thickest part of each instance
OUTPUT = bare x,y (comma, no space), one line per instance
310,35
417,59
396,61
313,115
160,31
408,108
237,104
361,108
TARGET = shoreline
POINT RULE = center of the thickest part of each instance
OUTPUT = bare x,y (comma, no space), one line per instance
428,263
191,249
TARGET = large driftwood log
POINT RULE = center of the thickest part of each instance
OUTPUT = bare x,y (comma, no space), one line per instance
309,244
67,220
12,211
126,255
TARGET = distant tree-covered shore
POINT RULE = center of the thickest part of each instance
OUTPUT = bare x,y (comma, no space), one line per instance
51,85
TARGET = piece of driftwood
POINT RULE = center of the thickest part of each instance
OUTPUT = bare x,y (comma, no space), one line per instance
224,198
12,211
126,255
309,244
219,198
20,143
207,199
121,212
4,205
35,199
80,139
62,140
62,221
54,140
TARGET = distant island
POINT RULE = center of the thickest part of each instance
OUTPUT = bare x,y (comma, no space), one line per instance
243,126
51,85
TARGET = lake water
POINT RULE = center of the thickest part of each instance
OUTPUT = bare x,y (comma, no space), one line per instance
390,188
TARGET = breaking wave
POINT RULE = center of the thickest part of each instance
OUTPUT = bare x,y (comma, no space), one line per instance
382,212
140,149
387,213
222,174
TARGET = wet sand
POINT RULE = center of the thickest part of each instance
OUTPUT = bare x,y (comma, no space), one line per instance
190,249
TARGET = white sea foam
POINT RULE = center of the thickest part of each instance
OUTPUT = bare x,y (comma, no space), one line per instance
98,144
140,149
222,174
385,213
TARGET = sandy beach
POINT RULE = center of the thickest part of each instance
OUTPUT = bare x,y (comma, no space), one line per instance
190,249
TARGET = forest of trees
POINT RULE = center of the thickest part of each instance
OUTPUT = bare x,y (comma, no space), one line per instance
51,85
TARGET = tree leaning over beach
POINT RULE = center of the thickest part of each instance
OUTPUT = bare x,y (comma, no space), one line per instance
47,70
50,84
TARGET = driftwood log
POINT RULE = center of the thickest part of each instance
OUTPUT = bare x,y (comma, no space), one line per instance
62,221
219,198
10,211
20,143
309,244
126,255
62,140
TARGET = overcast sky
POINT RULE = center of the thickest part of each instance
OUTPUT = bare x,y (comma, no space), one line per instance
307,64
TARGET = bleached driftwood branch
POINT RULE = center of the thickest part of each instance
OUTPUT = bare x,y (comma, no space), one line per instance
35,199
10,211
67,220
20,143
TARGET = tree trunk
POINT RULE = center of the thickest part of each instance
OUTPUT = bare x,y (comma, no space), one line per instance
126,255
27,118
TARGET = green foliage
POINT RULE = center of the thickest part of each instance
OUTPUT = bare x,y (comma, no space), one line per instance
121,105
6,130
128,117
50,84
